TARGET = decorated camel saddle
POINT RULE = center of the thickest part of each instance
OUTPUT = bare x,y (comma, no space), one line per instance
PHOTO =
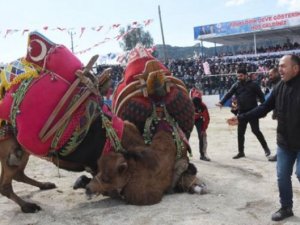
47,98
148,92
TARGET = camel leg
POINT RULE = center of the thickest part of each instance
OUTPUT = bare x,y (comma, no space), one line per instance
81,182
180,167
7,175
16,172
189,182
20,176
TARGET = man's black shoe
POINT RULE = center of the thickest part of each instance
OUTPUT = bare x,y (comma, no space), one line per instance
239,155
282,213
273,158
205,158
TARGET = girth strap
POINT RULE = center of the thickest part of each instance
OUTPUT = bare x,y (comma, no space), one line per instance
114,132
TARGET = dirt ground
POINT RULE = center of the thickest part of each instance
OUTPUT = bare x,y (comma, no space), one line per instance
242,191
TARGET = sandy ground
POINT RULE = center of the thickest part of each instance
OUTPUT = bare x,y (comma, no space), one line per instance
242,191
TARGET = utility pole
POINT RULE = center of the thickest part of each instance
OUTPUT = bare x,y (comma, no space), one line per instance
72,44
162,34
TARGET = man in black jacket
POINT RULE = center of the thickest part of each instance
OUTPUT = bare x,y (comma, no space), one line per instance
246,92
285,98
274,78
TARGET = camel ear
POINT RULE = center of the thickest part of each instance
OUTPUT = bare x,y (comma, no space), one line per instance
122,167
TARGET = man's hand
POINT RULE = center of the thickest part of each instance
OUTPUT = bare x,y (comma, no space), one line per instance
233,121
219,105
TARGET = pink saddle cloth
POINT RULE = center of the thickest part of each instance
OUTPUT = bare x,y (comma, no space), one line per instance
43,94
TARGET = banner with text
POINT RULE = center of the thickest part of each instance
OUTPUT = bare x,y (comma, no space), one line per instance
278,21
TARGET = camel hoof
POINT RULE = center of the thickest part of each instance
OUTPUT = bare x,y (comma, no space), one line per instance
81,182
47,186
30,208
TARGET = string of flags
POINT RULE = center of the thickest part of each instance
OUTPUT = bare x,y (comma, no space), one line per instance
117,38
8,32
134,25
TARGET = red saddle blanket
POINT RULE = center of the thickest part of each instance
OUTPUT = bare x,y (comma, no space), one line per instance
36,107
28,107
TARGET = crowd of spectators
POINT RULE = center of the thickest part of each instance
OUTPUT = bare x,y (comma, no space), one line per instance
116,73
214,75
261,49
220,72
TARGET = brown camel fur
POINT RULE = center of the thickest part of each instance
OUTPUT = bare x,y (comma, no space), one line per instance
142,176
78,161
148,164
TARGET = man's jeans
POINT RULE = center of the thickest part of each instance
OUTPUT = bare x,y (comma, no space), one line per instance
285,163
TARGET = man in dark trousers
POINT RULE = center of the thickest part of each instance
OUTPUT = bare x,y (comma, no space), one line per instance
201,121
285,98
246,92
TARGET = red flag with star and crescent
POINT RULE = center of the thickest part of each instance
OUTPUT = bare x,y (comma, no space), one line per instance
38,48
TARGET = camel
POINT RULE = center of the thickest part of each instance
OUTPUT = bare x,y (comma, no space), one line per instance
148,96
104,133
83,158
14,157
88,156
68,126
141,176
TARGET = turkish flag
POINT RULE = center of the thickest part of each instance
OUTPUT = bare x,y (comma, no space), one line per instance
38,48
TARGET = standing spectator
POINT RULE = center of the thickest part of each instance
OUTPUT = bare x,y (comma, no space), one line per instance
201,121
274,78
285,98
246,92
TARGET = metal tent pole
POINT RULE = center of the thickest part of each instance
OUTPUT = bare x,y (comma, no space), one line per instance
72,43
254,39
162,34
202,49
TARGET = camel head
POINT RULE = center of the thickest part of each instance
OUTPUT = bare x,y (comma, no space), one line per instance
112,175
115,170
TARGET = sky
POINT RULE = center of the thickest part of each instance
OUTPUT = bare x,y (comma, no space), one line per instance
178,19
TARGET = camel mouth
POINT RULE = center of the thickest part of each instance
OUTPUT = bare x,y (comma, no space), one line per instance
90,194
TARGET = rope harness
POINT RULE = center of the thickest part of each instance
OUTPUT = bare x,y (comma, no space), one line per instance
158,114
